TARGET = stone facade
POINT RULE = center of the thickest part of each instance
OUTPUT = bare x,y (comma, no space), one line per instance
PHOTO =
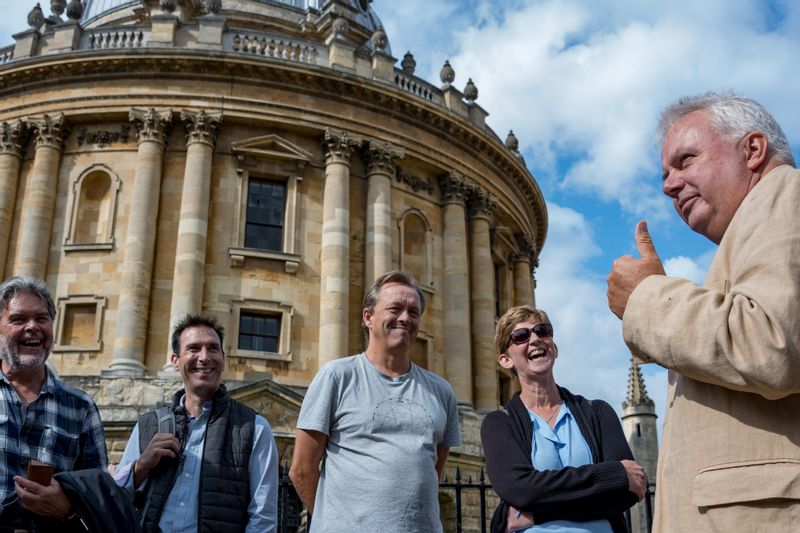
261,163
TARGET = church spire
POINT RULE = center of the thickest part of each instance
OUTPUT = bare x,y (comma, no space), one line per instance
637,392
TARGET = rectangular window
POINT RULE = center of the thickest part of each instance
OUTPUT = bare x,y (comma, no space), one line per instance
266,205
259,332
79,325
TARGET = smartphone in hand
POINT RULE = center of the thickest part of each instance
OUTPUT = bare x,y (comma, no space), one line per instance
41,473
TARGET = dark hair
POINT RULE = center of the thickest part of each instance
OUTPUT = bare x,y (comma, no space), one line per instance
393,276
194,321
24,284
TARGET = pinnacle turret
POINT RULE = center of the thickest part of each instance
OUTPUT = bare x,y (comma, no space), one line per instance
637,392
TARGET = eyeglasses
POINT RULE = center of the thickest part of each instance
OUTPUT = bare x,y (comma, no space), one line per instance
523,335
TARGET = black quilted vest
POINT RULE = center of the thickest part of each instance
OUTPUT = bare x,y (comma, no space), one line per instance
224,480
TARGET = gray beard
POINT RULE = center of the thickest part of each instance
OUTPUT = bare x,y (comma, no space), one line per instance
19,363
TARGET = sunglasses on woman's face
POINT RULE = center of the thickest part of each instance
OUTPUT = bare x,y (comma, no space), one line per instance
522,335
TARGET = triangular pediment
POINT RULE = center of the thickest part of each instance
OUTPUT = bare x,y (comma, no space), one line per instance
279,404
270,147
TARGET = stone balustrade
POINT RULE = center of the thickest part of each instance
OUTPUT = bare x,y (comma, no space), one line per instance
417,87
273,47
6,54
115,38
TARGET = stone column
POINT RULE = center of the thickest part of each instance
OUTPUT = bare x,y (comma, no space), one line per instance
36,219
13,136
379,159
152,128
455,288
482,296
335,255
523,287
190,254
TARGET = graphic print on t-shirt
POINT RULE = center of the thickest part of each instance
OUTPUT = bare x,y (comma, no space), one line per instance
401,415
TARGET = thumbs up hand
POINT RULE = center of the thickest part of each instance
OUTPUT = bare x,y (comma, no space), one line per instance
627,272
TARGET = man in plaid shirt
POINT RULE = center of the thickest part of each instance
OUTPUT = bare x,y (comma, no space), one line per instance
41,418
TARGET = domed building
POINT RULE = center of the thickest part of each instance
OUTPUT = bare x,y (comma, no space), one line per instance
262,161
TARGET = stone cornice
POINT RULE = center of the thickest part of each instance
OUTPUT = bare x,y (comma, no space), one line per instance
13,137
49,130
160,64
151,125
201,127
380,157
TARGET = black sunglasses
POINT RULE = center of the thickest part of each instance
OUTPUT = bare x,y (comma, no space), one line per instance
522,335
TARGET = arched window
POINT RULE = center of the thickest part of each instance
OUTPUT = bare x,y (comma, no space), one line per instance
416,246
94,199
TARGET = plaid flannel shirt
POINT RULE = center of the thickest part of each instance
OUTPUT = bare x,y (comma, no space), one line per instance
61,427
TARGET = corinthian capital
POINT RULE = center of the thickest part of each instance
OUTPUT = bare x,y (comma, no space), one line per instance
339,146
13,136
201,127
527,246
49,130
455,188
151,125
481,202
380,157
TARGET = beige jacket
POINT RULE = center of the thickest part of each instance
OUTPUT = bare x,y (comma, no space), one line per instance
730,456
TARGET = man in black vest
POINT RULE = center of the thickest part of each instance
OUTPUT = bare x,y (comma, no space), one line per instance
208,463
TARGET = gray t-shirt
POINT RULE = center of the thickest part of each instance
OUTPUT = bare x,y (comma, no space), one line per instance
383,435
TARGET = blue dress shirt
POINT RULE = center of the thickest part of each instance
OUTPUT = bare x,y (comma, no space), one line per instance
556,448
180,510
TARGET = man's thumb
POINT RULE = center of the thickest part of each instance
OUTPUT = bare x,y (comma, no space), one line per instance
644,242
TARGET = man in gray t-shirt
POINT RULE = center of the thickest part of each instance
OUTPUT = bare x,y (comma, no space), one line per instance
382,426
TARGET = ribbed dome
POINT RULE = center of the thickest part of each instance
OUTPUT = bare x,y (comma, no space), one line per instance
98,7
366,16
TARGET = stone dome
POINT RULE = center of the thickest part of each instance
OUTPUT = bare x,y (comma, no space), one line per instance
365,14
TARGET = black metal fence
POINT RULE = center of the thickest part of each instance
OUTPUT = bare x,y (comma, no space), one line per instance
292,517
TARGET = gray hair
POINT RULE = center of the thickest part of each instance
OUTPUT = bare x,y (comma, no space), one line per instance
26,285
393,276
732,117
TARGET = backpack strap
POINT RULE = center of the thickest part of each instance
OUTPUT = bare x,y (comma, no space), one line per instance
166,419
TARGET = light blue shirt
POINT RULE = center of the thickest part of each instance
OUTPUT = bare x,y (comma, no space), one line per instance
180,510
554,449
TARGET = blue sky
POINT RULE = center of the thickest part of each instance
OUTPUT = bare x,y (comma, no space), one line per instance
581,83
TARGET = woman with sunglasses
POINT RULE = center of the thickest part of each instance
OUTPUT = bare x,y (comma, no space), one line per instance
559,462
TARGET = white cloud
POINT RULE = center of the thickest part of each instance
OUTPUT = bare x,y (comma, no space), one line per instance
585,81
686,268
593,359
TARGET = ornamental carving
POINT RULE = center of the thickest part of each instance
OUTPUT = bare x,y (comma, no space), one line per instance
13,137
201,127
339,146
527,247
455,188
417,183
481,202
49,130
151,125
103,138
380,156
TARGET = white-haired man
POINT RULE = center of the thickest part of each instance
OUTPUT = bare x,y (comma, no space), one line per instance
730,458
